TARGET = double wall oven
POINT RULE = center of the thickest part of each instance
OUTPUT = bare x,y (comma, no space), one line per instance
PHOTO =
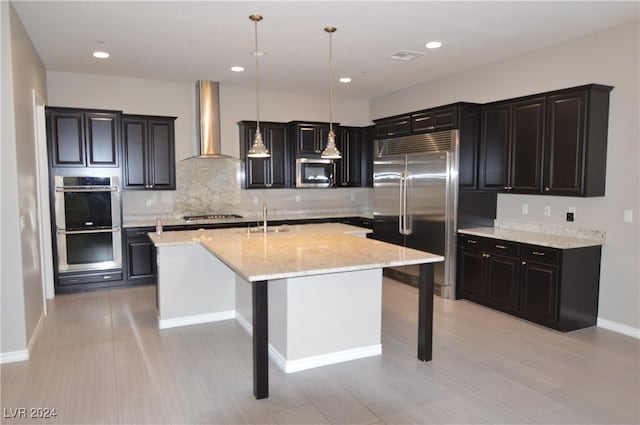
88,231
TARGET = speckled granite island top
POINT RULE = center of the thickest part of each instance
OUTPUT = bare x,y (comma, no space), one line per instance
302,250
533,238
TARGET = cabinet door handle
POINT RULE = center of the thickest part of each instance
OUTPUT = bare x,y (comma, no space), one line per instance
471,241
524,263
486,255
141,233
538,253
546,189
501,247
430,127
420,119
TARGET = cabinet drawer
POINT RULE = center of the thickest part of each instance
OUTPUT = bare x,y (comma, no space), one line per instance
89,278
538,253
499,246
472,242
138,232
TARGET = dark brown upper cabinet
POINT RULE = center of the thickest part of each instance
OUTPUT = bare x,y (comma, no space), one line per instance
83,138
576,141
273,172
149,152
434,120
393,126
553,143
511,152
310,138
348,168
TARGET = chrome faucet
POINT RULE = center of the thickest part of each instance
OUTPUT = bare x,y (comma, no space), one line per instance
264,217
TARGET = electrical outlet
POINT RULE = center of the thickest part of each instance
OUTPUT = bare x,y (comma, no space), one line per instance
547,210
569,216
525,209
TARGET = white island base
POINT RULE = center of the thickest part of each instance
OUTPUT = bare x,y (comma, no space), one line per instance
313,320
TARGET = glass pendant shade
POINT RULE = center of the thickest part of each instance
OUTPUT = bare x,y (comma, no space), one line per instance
331,151
258,149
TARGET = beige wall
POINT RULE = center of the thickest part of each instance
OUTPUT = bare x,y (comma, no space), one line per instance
612,58
131,95
22,293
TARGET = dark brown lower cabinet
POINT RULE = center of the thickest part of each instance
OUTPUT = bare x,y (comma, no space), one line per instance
557,288
140,256
539,292
502,282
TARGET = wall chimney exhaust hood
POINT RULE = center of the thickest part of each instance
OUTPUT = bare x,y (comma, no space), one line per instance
208,120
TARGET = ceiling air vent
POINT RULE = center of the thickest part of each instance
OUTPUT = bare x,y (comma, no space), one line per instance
405,55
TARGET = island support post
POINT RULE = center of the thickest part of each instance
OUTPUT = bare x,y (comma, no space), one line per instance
425,312
261,327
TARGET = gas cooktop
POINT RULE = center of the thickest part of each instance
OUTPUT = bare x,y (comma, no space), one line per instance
210,217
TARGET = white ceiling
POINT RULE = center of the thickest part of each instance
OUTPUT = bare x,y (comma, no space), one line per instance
187,41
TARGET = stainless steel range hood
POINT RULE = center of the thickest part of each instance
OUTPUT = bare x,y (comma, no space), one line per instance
208,120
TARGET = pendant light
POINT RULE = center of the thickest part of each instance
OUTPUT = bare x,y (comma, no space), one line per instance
331,152
258,149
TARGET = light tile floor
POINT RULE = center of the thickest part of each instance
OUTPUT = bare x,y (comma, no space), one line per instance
101,359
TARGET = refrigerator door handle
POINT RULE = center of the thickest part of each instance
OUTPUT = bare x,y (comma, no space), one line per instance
401,210
407,219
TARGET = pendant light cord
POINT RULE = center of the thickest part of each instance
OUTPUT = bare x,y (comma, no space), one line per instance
257,79
330,83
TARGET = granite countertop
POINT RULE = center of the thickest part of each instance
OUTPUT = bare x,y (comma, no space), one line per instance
533,238
303,250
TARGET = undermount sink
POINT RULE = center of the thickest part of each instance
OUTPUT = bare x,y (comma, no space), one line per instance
274,229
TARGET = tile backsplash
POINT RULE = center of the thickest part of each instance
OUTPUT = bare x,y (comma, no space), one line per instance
215,186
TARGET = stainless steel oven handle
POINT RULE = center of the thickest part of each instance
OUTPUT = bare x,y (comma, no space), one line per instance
86,189
82,232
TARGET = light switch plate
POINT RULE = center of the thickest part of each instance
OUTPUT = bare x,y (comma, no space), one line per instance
628,216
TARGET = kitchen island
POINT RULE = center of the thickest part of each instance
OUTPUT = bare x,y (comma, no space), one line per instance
325,289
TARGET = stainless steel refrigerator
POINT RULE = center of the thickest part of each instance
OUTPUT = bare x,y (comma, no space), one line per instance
416,201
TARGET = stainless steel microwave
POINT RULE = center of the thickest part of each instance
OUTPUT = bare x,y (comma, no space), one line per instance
311,172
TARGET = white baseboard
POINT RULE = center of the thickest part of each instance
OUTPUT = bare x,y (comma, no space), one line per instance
245,324
196,319
290,366
36,332
618,327
14,356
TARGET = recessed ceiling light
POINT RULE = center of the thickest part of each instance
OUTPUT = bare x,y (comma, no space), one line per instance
100,55
345,80
433,45
237,68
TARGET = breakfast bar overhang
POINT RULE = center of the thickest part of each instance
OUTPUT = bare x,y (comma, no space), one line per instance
303,251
